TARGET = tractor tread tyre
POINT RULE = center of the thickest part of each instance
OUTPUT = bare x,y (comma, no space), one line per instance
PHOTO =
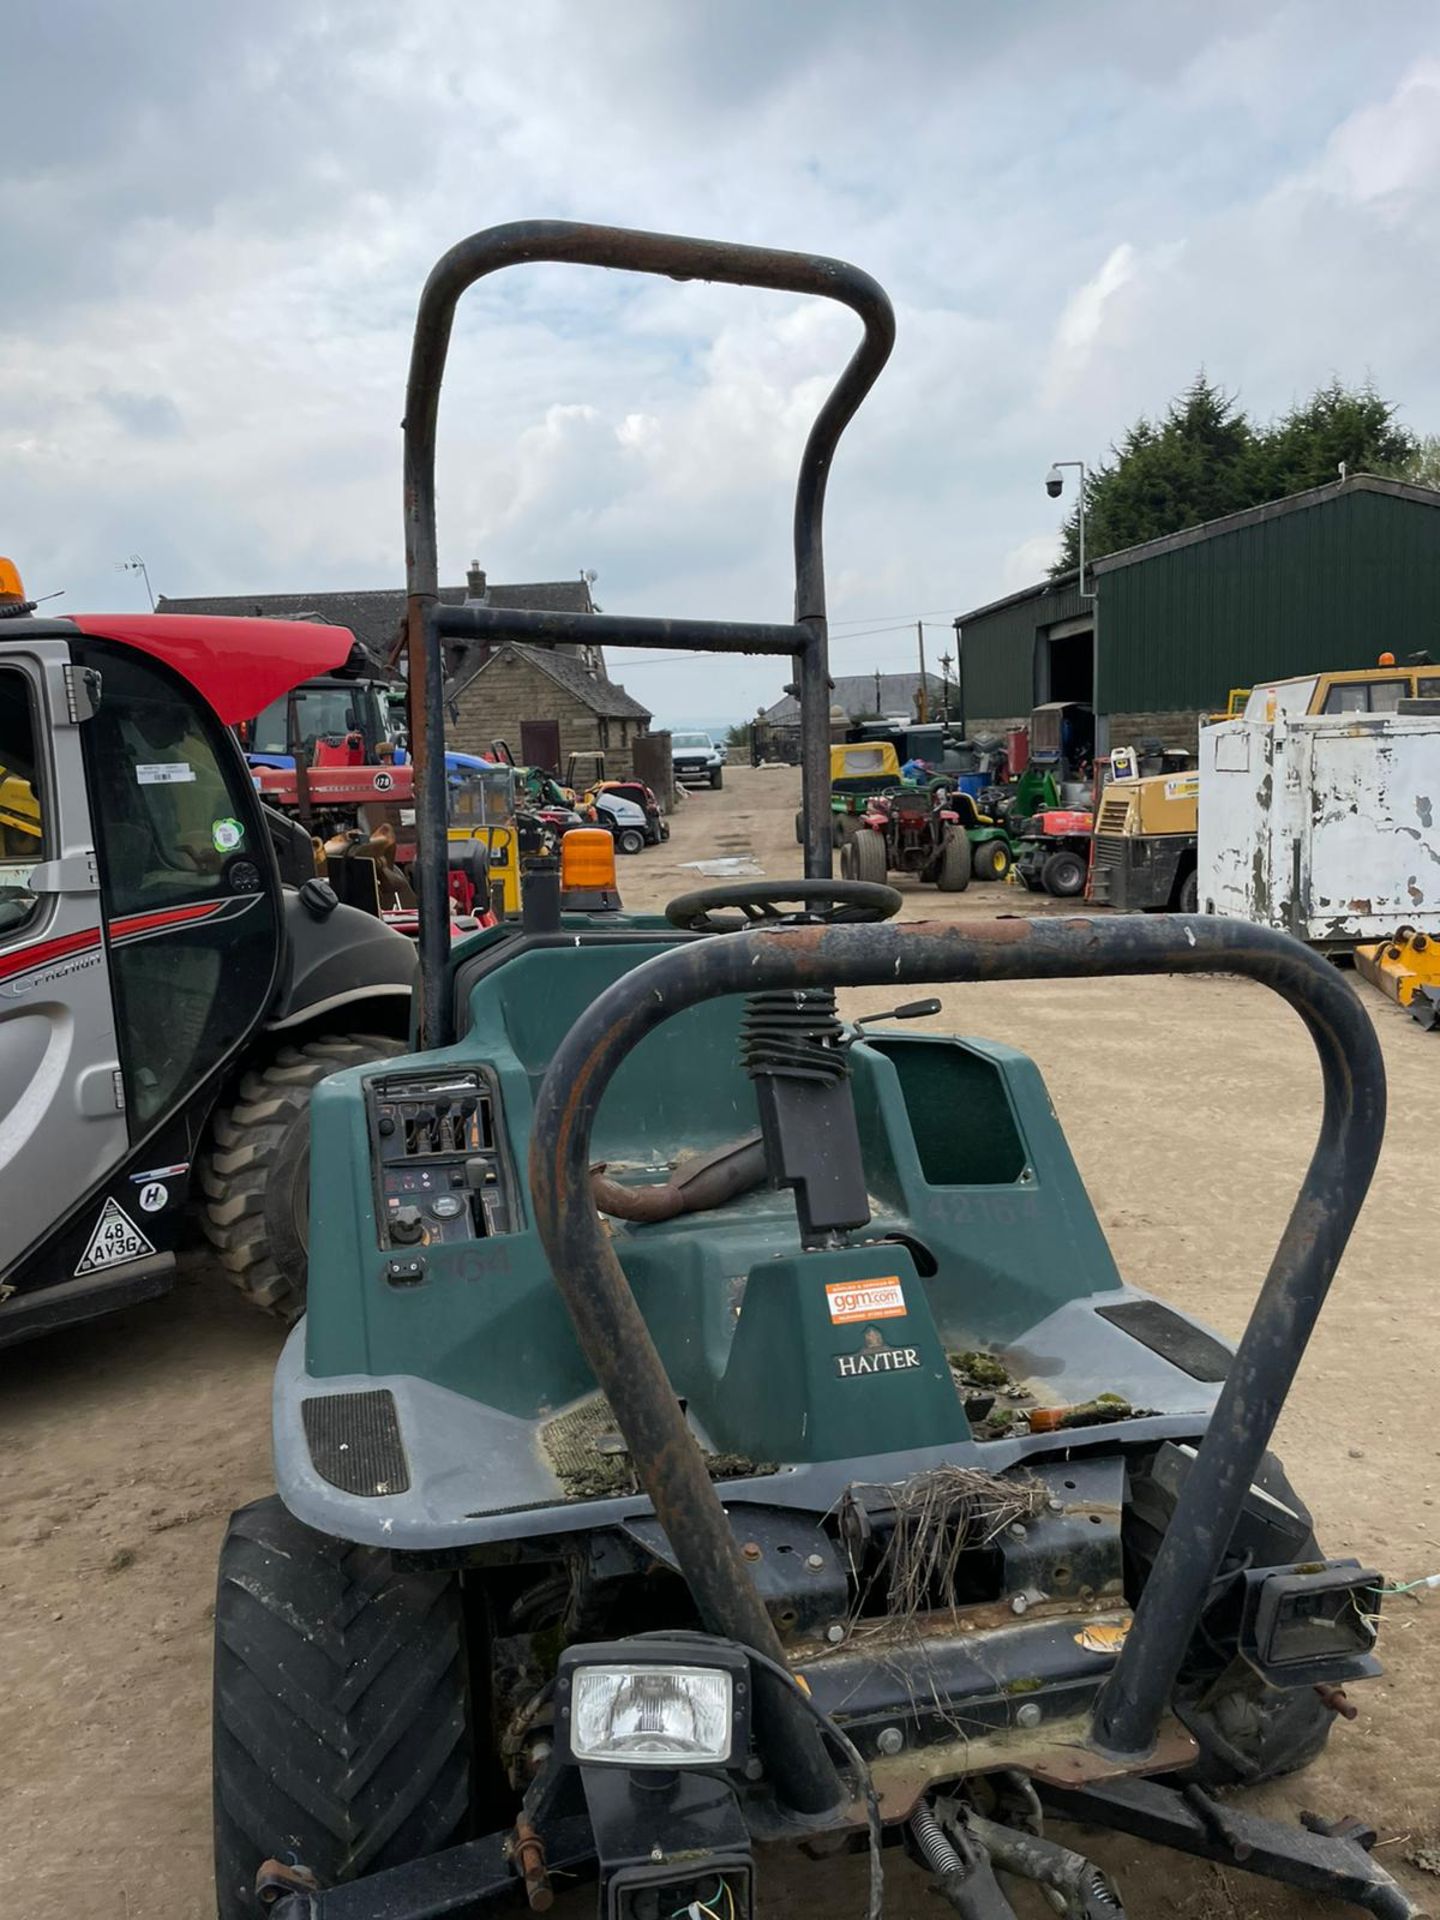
258,1155
342,1735
1063,875
952,875
867,856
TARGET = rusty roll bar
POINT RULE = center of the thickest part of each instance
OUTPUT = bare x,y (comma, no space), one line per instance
675,257
622,1355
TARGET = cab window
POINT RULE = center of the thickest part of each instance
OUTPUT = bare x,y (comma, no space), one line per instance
186,880
1366,696
22,841
321,713
1428,686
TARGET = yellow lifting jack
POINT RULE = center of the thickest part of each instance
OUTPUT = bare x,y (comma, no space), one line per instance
1407,967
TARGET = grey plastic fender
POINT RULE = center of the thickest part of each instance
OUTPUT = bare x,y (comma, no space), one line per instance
339,959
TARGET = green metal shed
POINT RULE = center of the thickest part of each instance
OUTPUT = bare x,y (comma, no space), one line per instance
1324,579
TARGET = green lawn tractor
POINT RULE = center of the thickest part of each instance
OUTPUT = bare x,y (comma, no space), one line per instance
992,852
716,1425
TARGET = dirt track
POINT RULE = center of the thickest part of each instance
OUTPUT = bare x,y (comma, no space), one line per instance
1191,1108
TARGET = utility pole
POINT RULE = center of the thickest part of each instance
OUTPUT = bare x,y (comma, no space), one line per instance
879,715
946,662
924,684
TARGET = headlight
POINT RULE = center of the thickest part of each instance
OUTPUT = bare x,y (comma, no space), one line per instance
1309,1624
658,1716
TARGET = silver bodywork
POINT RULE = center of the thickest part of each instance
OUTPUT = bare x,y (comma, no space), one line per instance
62,1115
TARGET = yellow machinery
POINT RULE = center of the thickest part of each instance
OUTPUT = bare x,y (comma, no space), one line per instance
1145,835
1234,706
19,818
482,807
1377,689
1407,968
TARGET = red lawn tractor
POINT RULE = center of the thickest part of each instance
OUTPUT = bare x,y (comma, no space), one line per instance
908,830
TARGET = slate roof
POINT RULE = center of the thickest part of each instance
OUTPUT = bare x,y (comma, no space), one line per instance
375,614
855,694
566,670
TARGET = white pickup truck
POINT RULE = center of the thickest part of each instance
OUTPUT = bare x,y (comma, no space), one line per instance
695,756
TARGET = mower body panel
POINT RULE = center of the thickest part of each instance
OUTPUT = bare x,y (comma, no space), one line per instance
982,1241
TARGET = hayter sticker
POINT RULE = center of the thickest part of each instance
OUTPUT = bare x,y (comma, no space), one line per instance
115,1241
865,1300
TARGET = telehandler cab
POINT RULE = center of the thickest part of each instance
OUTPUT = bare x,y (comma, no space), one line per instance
834,1488
174,981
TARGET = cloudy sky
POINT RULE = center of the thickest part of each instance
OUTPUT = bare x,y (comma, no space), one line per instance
216,220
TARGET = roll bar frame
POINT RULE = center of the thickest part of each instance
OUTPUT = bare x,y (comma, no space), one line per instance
429,623
617,1342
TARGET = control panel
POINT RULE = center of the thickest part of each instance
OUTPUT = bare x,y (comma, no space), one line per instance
436,1147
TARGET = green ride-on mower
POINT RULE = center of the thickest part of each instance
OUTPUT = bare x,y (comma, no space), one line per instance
716,1425
859,769
909,830
992,852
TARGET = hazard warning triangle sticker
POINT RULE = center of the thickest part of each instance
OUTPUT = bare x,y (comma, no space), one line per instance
115,1240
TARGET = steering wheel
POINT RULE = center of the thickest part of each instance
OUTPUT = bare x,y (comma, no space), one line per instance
820,902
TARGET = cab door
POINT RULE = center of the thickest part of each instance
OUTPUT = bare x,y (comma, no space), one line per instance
191,895
62,1102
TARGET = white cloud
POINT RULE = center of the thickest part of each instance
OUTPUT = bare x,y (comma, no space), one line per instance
1081,322
1030,561
205,334
1390,149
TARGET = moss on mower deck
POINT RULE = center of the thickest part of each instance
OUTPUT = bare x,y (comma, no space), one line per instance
590,1460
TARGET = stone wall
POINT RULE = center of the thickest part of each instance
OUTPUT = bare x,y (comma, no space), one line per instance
510,690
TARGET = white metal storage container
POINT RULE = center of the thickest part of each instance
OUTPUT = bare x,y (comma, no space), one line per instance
1327,826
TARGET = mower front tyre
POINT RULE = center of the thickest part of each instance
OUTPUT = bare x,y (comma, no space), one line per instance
255,1177
630,840
953,874
1063,874
864,858
342,1725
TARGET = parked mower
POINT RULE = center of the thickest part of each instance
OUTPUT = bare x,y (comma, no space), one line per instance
175,981
589,783
859,770
909,830
992,854
833,1481
1052,853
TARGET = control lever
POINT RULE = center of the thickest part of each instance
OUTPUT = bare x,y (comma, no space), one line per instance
911,1010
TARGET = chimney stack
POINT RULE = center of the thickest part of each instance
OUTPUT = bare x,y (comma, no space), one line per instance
475,582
